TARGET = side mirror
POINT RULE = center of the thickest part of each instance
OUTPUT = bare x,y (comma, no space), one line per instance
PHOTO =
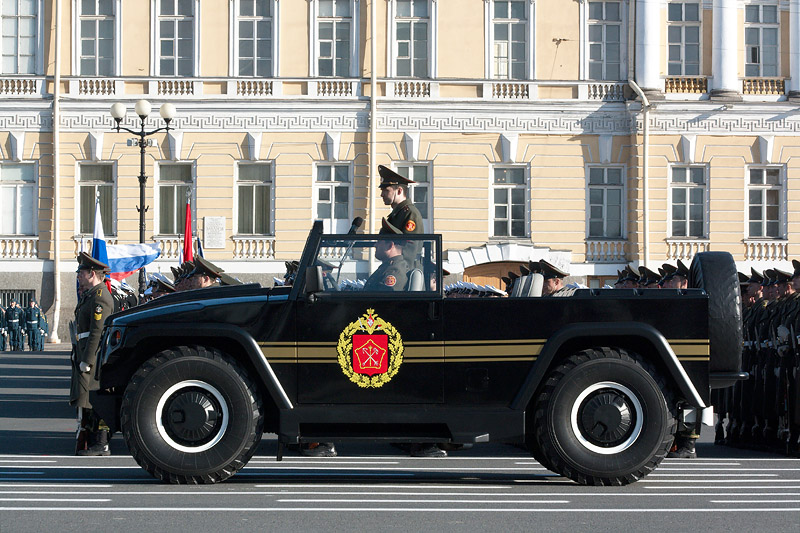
314,279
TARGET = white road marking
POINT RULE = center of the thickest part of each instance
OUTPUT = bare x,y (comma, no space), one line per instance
711,475
395,500
55,500
755,501
55,485
328,462
21,473
648,480
672,487
24,461
397,510
660,469
81,467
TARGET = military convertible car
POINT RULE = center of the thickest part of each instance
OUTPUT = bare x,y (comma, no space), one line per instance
592,381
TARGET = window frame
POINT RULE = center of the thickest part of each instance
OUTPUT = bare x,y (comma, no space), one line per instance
782,204
623,41
605,187
233,47
271,184
391,32
77,17
155,31
158,182
526,187
112,224
38,61
683,24
18,186
316,185
706,201
530,35
761,26
313,40
427,222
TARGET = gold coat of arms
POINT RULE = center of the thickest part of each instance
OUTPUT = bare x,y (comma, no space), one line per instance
370,351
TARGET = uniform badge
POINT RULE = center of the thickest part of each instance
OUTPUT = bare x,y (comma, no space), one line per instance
370,351
390,281
98,312
410,225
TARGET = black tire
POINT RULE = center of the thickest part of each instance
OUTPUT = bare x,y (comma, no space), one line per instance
580,394
715,272
191,415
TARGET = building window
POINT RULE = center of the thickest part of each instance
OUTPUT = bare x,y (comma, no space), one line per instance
683,34
509,39
255,38
509,190
254,188
419,192
334,37
176,38
174,189
97,38
18,208
96,181
688,201
605,41
764,192
761,40
332,197
19,36
412,24
605,202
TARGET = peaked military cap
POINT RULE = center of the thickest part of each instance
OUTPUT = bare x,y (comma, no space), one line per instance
796,266
176,272
755,277
628,274
389,177
647,276
768,277
87,262
389,227
207,268
671,270
226,279
550,271
620,277
781,276
163,285
743,278
524,270
185,270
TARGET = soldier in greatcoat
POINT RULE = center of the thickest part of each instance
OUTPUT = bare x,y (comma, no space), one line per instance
95,304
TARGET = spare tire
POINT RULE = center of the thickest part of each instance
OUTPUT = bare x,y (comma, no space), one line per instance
715,272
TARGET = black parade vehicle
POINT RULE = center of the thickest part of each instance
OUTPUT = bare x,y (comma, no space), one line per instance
592,381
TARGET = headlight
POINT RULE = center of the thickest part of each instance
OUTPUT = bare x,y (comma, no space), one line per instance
112,340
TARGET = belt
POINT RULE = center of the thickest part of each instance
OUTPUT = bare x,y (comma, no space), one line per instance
14,320
33,321
82,335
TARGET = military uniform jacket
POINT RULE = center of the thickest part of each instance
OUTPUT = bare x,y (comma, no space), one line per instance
33,318
392,275
93,308
15,317
405,217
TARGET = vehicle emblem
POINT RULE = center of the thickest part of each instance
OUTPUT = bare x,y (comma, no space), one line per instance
370,351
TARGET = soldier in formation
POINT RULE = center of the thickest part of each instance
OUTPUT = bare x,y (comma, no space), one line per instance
3,329
35,326
15,320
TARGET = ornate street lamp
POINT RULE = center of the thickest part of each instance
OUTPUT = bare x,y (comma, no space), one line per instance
142,109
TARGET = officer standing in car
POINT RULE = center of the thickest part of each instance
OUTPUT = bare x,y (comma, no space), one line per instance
95,305
394,192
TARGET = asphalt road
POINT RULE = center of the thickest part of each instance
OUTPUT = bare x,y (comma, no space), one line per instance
490,487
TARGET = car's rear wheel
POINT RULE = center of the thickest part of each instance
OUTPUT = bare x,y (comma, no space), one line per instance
603,417
191,415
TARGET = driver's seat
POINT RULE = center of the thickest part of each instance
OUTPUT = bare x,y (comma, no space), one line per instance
416,281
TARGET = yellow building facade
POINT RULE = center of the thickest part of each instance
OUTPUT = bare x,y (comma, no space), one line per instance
590,133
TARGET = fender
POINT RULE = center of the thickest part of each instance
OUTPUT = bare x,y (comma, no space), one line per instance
606,329
218,331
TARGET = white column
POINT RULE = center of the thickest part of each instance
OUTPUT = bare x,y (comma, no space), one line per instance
794,53
648,41
724,48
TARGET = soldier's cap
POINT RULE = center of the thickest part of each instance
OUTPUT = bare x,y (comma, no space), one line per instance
647,277
744,279
225,279
176,273
534,267
620,276
162,284
391,228
755,277
87,262
389,177
291,266
512,275
781,276
524,270
796,266
628,274
767,277
206,268
550,271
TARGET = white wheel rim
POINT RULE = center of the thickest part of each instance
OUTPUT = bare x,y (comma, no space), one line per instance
193,384
631,398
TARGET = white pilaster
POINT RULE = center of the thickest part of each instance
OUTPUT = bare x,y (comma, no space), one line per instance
648,44
724,51
794,52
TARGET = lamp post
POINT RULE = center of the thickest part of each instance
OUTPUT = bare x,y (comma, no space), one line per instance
142,109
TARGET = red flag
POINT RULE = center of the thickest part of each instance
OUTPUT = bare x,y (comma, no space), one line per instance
187,235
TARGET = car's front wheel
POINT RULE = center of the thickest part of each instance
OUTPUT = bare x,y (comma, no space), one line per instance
603,418
190,414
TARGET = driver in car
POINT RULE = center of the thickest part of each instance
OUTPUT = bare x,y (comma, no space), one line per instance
392,274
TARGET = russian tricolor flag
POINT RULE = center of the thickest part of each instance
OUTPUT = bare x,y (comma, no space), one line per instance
122,259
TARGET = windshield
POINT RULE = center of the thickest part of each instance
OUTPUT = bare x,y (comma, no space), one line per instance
379,264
